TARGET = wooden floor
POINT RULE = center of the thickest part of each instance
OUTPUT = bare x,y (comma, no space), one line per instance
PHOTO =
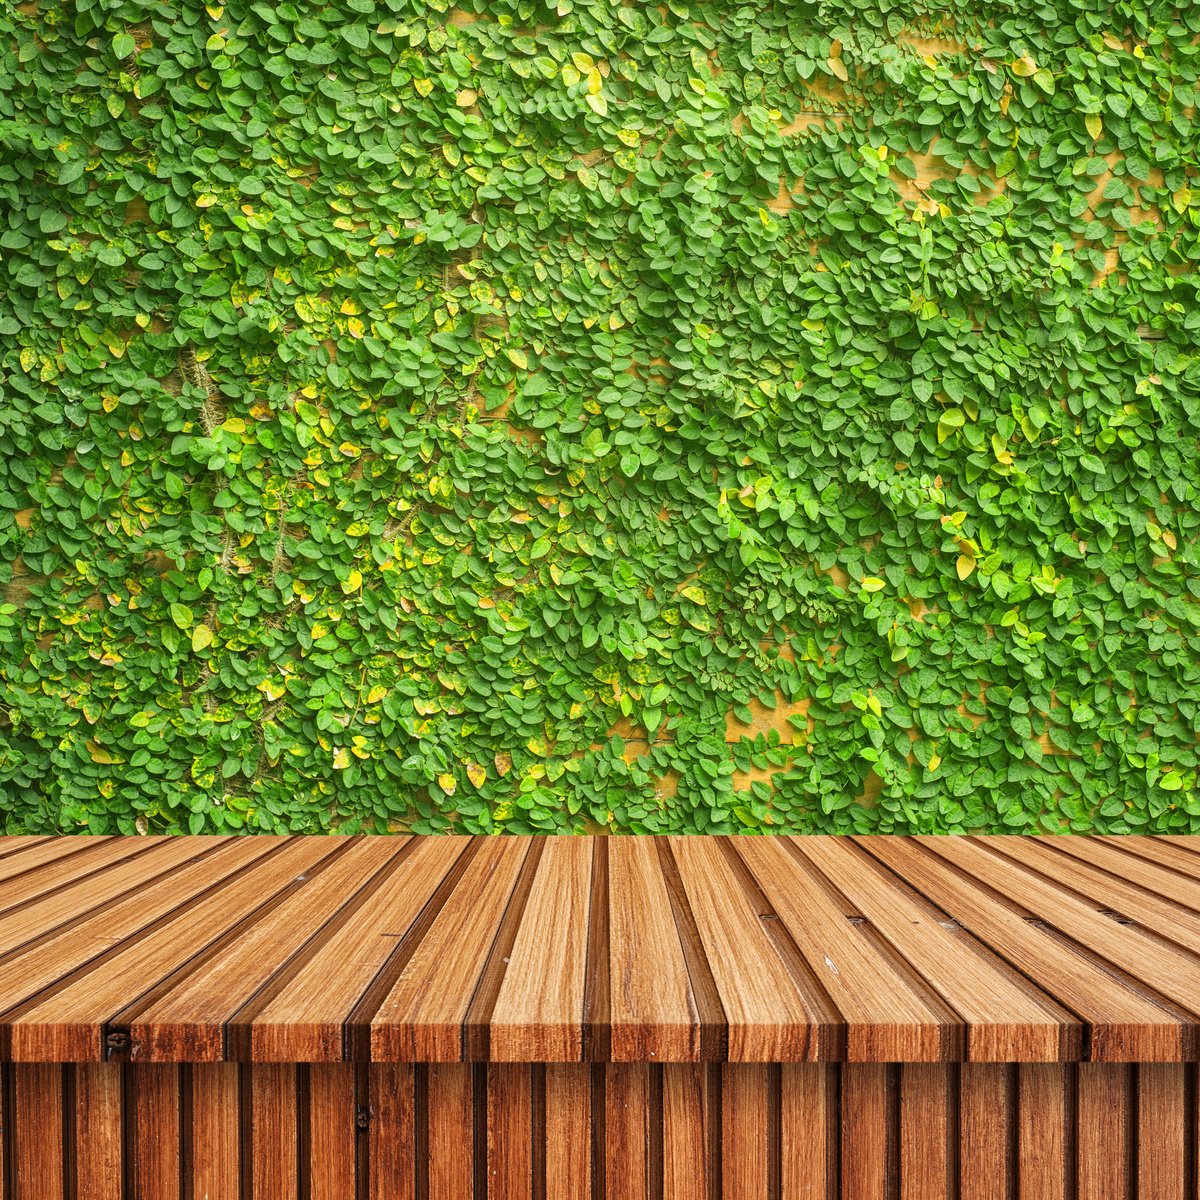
623,950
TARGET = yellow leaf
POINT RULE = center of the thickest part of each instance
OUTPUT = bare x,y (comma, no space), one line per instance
839,69
376,694
934,762
964,565
447,783
1095,126
597,103
695,594
476,774
630,137
341,758
872,583
583,62
466,98
353,583
423,86
98,754
517,358
202,637
503,762
1181,198
356,327
1024,66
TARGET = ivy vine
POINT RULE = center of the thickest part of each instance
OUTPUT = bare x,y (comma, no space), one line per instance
544,416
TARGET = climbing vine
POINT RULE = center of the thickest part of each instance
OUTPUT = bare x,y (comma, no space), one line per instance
536,416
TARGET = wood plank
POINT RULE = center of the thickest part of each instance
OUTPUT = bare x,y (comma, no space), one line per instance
421,1018
332,1132
449,1167
156,1158
215,1162
1164,915
1124,1023
1162,1135
67,1025
85,891
627,1131
186,1022
687,1119
1145,873
865,1159
1161,851
1104,1164
37,1138
303,1020
653,1012
987,1095
538,1015
928,1121
568,1134
392,1150
770,1018
23,868
1173,973
30,970
888,1019
745,1131
809,1120
1007,1018
509,1131
1045,1131
274,1123
98,1138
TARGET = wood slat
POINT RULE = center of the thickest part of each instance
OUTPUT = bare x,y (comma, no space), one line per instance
1163,880
1173,973
509,1121
1007,1017
448,1169
809,1130
332,1132
1123,1023
274,1132
888,1017
867,1162
99,1151
769,1016
303,1020
1161,1134
1165,852
156,1159
1114,898
37,1134
1105,1164
59,956
746,1131
538,1015
392,1153
687,1131
422,1017
1045,1131
654,1014
214,1131
567,1146
68,1023
627,1132
928,1150
186,1022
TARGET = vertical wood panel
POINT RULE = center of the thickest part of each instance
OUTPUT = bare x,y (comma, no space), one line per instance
626,1130
98,1116
154,1117
1104,1098
864,1121
685,1131
744,1131
332,1136
509,1136
1162,1136
809,1133
451,1132
274,1121
1045,1131
928,1106
38,1131
986,1096
391,1132
215,1162
568,1132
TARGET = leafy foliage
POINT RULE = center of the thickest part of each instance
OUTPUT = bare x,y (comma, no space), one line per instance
529,417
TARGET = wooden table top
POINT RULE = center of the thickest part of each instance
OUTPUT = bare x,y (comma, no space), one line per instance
746,949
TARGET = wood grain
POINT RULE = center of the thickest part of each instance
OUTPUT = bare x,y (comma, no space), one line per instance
392,1153
746,1131
449,1166
687,1121
627,1132
1045,1132
809,1131
1162,1135
1105,1163
332,1132
568,1132
156,1158
37,1134
99,1153
866,1157
987,1093
274,1115
509,1121
928,1124
215,1165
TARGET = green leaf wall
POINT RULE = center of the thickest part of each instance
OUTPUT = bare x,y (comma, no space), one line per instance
542,417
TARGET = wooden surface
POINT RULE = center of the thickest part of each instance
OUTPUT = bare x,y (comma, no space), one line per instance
444,951
620,1131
